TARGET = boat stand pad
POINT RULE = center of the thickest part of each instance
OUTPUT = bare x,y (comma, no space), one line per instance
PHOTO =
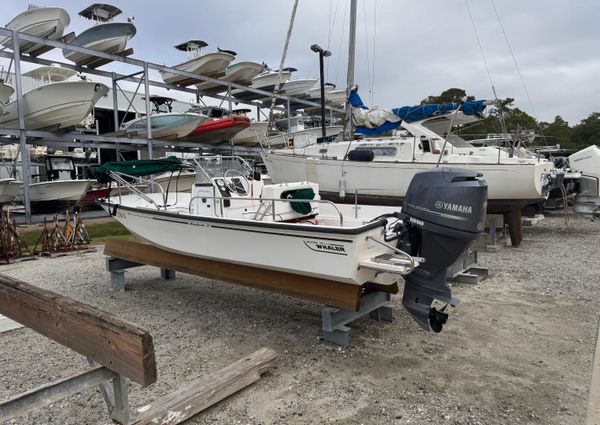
343,303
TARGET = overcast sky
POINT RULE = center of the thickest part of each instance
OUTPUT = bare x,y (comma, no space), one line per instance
415,49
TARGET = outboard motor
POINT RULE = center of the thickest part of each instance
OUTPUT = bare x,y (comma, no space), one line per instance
443,214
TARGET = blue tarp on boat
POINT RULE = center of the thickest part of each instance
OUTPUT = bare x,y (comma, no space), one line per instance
415,113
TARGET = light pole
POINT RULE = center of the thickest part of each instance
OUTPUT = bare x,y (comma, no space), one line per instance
322,53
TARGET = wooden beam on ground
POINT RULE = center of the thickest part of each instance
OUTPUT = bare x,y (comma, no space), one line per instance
329,292
182,404
119,345
593,413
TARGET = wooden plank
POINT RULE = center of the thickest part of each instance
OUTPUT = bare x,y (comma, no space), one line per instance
182,404
335,294
119,345
593,413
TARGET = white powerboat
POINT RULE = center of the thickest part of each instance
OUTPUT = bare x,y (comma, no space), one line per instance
298,87
209,65
252,135
6,92
226,217
58,104
9,189
166,125
240,73
48,22
106,36
266,81
59,187
587,163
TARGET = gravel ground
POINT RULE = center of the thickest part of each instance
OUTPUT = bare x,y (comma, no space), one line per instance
518,349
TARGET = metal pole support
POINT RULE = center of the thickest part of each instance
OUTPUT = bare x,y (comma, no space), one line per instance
376,304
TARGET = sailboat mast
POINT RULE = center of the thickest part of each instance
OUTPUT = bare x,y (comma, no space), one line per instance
348,131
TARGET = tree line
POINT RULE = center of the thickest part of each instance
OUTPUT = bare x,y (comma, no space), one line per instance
578,136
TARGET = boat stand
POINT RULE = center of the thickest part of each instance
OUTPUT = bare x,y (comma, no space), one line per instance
342,303
466,270
335,330
495,238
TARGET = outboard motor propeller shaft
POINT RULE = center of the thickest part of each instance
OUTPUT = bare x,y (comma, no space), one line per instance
443,214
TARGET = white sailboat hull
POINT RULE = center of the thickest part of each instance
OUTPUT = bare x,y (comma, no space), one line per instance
62,104
48,22
386,179
308,250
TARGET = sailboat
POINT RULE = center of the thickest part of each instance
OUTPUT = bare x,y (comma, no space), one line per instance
378,170
105,36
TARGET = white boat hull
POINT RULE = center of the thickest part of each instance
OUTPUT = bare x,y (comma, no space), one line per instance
9,189
51,196
209,65
47,22
175,131
55,105
251,135
239,73
308,250
385,179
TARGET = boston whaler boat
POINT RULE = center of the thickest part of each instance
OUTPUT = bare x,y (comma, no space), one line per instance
106,36
226,217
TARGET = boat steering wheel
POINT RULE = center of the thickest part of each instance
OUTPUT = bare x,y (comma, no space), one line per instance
231,186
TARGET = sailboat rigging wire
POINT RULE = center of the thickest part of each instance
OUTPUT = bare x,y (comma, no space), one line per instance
282,62
339,59
329,36
514,59
446,138
487,68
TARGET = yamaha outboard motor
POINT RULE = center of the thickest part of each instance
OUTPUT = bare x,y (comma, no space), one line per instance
443,214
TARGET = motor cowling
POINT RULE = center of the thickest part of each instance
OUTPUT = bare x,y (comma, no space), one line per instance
443,214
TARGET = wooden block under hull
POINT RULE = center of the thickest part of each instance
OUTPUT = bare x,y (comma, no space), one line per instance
336,294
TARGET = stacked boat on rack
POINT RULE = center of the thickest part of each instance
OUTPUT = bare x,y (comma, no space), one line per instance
105,35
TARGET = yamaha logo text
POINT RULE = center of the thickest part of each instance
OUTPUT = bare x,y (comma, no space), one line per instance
449,206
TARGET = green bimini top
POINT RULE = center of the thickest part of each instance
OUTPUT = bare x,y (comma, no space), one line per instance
142,167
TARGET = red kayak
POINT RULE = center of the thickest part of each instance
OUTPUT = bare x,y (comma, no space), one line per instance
218,130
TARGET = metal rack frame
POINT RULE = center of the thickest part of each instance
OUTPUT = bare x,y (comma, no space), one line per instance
113,142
